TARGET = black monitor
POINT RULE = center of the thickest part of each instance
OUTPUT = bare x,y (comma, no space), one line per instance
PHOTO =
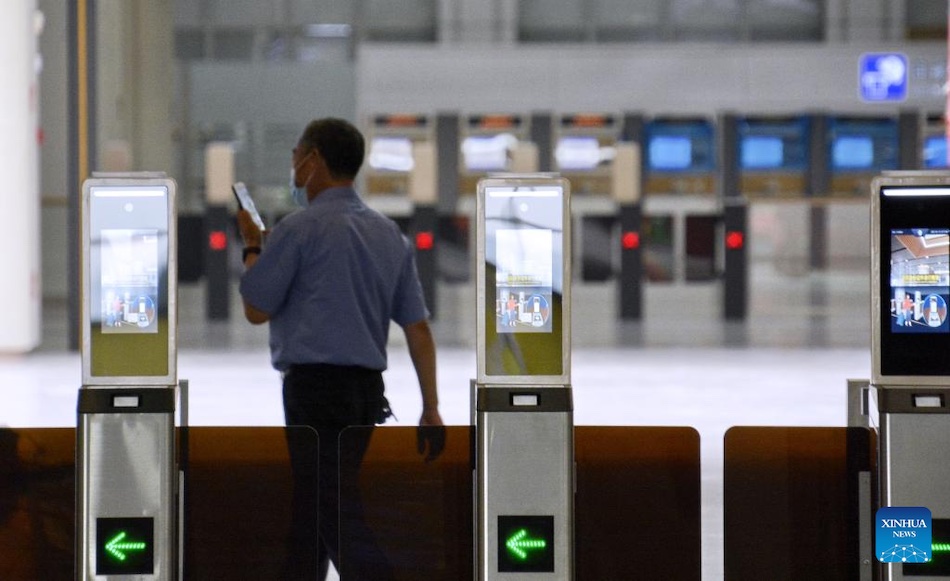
912,277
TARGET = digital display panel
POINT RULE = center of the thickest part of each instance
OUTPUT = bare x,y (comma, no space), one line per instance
761,153
670,153
773,144
851,152
524,276
920,280
680,145
863,144
483,153
524,279
129,281
939,565
525,544
935,152
578,153
125,546
914,242
391,154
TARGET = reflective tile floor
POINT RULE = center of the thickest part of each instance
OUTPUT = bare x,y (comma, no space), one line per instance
787,365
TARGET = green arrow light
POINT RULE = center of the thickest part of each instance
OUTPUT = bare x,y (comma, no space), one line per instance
940,547
117,548
518,544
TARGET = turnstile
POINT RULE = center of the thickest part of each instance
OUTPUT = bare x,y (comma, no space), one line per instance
127,480
523,405
910,230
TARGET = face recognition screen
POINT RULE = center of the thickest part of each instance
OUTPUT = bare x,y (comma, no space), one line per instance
915,280
919,280
128,281
524,273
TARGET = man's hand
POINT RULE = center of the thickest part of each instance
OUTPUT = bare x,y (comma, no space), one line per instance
250,233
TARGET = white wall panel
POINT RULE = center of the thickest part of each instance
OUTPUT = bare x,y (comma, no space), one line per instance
19,200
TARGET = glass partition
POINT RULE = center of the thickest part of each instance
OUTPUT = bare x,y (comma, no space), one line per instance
791,501
37,503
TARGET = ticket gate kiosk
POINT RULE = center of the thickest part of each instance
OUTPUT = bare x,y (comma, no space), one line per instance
523,404
910,289
126,474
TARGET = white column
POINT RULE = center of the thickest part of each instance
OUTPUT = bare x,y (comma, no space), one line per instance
19,198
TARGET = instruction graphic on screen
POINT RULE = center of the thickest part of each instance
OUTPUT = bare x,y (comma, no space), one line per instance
920,280
524,284
129,281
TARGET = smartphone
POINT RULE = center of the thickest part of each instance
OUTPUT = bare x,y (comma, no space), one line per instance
247,203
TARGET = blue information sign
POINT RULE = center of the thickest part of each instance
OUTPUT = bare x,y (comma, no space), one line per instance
883,77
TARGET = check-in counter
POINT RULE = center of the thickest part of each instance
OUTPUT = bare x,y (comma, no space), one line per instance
585,150
860,148
585,147
681,208
490,144
391,140
933,143
773,157
681,156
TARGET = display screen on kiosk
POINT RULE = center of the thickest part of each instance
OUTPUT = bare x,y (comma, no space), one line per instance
524,274
935,152
128,280
579,153
863,145
915,280
677,145
773,144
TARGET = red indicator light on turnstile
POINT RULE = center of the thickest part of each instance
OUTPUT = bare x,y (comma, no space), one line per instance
734,240
217,240
630,240
425,240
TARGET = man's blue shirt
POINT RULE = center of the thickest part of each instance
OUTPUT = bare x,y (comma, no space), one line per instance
330,278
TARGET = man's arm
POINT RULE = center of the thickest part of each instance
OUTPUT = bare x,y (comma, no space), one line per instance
252,237
422,351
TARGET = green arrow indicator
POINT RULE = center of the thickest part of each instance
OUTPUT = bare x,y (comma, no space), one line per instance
518,544
940,547
117,548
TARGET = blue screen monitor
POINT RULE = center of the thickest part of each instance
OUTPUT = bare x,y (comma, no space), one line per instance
670,152
853,152
935,152
761,152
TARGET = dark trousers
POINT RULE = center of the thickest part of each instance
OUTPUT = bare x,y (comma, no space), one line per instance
328,399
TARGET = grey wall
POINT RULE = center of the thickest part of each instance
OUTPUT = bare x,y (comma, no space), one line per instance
687,79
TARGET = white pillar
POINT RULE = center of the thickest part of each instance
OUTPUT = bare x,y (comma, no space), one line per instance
19,198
